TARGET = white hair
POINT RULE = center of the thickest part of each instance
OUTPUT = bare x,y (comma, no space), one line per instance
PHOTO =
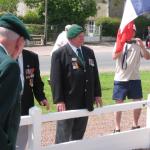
9,34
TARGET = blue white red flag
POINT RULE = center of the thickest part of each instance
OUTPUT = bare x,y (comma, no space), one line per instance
132,9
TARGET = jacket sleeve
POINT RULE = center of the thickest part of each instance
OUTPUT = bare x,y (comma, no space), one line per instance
38,87
97,90
56,77
10,87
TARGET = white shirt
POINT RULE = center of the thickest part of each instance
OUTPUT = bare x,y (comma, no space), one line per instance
133,64
4,48
20,62
74,48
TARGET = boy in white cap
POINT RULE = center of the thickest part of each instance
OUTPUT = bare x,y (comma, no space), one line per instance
61,39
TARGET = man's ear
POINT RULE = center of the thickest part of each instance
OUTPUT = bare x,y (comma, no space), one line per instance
20,42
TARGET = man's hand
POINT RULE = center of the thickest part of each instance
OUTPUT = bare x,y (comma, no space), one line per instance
98,102
45,103
144,52
140,43
61,106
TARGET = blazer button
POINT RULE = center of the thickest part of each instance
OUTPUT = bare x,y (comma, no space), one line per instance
85,90
84,70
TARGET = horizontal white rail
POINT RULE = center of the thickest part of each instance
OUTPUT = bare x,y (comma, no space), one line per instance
97,111
120,141
53,116
26,120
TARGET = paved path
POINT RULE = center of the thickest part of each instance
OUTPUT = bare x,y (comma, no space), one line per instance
103,53
45,50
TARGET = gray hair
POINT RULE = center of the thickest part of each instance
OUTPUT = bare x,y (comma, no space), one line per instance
9,34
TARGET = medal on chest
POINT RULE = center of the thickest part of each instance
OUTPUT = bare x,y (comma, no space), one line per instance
75,64
29,75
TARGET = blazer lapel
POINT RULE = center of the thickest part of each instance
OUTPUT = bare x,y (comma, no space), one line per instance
73,56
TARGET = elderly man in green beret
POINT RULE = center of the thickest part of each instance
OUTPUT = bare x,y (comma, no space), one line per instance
75,83
12,40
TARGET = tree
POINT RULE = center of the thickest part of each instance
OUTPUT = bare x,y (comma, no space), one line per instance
33,3
62,12
8,6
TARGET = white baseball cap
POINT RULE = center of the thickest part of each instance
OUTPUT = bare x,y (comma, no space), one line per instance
67,27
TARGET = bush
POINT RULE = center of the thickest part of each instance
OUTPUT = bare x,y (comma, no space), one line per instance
141,25
35,29
31,17
108,25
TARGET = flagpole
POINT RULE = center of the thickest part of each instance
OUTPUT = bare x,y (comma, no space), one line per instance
45,24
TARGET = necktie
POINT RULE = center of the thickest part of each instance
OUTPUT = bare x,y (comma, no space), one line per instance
80,54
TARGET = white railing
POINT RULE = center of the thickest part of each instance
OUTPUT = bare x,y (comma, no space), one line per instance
126,140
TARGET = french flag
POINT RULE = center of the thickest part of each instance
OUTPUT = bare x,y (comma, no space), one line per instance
132,9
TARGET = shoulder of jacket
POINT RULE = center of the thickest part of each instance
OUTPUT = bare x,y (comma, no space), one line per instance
30,53
87,49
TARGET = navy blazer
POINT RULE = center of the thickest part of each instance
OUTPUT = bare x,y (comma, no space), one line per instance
33,85
74,82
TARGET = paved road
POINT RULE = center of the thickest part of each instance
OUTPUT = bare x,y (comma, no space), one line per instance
102,52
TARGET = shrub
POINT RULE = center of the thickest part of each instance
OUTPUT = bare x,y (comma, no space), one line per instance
31,17
141,25
35,28
108,25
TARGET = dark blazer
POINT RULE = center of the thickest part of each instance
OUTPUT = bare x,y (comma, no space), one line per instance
10,88
73,82
33,85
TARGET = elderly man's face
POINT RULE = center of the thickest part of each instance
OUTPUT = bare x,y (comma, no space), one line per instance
18,47
78,40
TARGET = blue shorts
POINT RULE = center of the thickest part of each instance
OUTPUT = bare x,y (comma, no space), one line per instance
131,89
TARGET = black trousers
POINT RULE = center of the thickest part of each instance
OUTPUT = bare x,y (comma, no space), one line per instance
70,129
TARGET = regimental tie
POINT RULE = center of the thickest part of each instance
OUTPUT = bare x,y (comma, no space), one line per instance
80,55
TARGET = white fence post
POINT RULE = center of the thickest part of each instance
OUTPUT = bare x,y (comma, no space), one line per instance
34,131
148,112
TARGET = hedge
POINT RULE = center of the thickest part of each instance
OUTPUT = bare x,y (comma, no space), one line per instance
110,26
141,26
35,28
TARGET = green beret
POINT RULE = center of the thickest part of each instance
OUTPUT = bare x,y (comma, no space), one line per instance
74,31
13,23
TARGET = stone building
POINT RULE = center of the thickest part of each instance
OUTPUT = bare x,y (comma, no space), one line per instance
105,8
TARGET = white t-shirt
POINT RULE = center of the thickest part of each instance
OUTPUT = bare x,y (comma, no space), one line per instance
130,71
60,41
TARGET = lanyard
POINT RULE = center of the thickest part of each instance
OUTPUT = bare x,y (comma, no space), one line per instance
124,60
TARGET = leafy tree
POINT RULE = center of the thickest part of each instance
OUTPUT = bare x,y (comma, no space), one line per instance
33,3
62,12
8,6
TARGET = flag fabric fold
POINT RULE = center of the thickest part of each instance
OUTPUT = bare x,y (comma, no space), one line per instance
132,9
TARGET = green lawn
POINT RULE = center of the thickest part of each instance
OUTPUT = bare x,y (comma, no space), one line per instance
107,87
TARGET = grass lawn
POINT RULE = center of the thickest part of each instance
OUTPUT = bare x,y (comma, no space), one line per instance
107,88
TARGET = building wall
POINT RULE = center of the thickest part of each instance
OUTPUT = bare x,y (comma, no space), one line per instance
102,8
116,8
110,8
